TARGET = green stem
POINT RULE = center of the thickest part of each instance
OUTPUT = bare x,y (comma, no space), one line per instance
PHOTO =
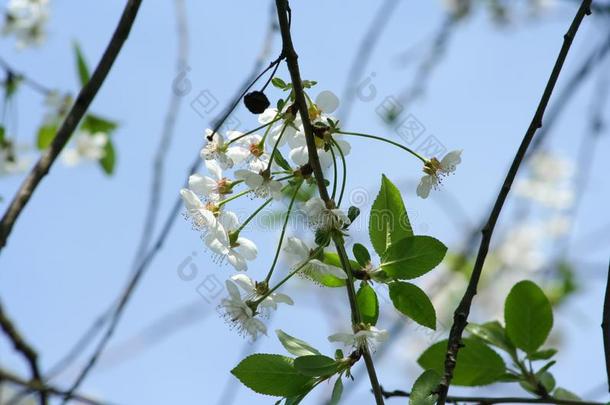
344,179
279,246
255,213
234,197
334,192
277,142
411,151
292,273
254,130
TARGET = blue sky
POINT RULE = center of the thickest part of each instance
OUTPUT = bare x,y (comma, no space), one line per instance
71,251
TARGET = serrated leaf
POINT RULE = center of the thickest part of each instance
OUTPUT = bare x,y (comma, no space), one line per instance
45,135
528,316
81,66
368,304
272,374
362,255
492,333
389,221
477,364
413,257
316,365
295,346
109,160
411,301
337,392
425,385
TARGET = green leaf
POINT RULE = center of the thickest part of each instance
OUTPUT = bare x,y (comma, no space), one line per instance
528,316
368,304
362,255
279,83
337,392
272,374
412,257
81,65
295,346
477,364
542,354
45,135
389,221
109,160
332,259
562,393
94,123
316,365
422,391
492,333
414,303
353,213
547,380
2,134
280,160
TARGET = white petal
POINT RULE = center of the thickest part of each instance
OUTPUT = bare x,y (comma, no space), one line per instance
237,261
345,338
233,290
425,185
246,248
295,246
214,168
245,282
451,160
202,184
190,199
299,155
228,220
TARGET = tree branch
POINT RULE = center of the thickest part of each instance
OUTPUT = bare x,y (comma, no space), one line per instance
498,400
283,11
46,389
606,328
23,347
83,101
460,317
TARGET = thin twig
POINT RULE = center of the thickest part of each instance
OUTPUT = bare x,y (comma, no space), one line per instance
461,313
363,54
156,247
499,400
23,347
83,101
167,133
284,16
34,84
606,328
46,389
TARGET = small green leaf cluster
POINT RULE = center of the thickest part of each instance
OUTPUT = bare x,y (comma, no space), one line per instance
528,320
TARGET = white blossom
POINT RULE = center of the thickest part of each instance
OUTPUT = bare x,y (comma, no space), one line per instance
435,171
202,215
253,293
222,241
219,150
211,188
238,313
250,150
87,147
548,182
25,19
321,217
314,268
263,186
370,337
10,161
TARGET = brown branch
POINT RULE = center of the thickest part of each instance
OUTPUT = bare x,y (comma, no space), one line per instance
461,313
78,110
499,400
23,347
606,328
45,389
288,50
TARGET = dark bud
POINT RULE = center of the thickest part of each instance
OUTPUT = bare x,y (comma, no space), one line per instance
256,102
352,213
306,170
